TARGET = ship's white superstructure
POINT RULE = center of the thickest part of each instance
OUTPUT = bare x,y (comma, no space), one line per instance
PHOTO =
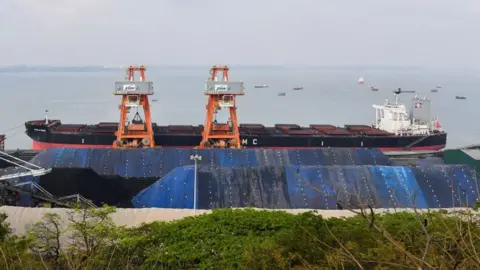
394,117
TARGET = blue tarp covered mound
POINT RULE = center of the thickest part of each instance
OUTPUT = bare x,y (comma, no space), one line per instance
448,185
313,186
157,162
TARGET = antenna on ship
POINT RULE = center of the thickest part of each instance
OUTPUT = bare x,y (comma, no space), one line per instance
46,117
134,94
221,94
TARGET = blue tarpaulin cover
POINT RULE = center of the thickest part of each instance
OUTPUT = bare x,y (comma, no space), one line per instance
314,187
313,178
157,162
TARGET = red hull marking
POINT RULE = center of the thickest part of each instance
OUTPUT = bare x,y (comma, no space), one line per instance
42,146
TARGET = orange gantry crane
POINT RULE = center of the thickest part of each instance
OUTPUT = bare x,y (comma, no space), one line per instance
137,133
221,94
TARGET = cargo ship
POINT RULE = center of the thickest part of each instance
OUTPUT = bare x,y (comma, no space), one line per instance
395,129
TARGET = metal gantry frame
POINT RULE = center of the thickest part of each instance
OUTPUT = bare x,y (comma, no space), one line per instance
79,199
44,195
134,94
221,94
34,170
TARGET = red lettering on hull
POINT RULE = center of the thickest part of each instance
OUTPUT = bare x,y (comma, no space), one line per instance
42,146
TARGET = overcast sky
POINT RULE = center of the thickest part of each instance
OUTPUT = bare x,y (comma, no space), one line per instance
279,32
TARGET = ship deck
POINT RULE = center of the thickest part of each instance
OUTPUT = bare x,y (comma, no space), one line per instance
56,126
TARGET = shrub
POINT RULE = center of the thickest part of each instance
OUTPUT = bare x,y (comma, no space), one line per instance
251,239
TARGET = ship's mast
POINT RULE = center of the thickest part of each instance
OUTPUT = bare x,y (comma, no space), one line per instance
221,94
138,133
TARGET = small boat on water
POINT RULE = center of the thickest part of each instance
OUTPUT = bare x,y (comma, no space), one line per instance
400,91
434,90
360,80
282,94
261,86
373,88
298,88
460,97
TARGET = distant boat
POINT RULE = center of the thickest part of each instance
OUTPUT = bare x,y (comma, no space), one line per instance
373,88
434,90
439,86
154,100
399,91
282,94
460,97
261,86
298,88
360,80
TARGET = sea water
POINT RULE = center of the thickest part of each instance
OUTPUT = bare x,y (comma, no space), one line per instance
330,96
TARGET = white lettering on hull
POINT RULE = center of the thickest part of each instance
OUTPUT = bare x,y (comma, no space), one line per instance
245,142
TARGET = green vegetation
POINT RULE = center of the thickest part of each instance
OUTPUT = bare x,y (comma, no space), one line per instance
248,239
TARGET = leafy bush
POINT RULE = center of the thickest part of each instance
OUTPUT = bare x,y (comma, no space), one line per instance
249,239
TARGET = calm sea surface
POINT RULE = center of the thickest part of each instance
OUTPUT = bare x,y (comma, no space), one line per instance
330,96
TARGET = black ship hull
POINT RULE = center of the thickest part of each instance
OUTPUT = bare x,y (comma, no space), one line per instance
56,135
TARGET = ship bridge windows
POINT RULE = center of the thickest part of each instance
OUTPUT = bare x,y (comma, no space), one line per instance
398,116
381,113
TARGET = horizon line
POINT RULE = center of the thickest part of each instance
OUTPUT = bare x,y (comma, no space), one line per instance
123,66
